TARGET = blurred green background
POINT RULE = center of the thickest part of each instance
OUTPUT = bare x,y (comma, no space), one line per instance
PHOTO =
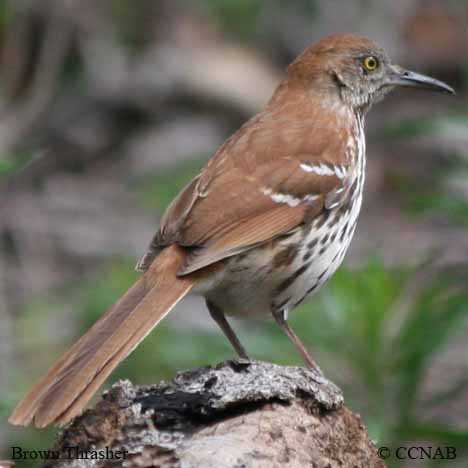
107,110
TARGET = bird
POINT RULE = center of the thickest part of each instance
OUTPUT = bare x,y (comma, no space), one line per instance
263,226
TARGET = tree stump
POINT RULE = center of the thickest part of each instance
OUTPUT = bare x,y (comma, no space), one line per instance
235,414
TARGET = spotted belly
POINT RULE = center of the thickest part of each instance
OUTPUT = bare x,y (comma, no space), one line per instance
321,251
284,272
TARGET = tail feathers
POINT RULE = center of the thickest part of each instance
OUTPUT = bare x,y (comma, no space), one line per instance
72,381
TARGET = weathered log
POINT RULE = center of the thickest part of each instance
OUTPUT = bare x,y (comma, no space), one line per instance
235,414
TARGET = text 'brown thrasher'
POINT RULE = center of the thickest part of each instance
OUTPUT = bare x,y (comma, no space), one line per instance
266,222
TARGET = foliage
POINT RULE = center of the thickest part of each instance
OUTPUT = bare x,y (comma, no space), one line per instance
10,163
431,195
238,17
451,125
5,15
426,201
241,18
157,190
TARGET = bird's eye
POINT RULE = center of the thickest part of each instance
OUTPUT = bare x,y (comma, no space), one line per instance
370,63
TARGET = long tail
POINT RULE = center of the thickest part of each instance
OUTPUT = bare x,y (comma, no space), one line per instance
74,378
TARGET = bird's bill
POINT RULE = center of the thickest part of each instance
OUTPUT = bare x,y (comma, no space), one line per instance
402,77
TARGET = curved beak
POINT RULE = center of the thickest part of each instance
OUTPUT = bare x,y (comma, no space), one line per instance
401,77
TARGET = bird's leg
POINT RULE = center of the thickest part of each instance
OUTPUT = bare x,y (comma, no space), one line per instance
218,316
281,317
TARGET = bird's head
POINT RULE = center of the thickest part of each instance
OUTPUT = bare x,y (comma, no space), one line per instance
356,70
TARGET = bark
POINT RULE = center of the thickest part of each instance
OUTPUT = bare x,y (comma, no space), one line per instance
235,414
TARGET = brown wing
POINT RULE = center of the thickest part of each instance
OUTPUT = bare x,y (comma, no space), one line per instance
250,192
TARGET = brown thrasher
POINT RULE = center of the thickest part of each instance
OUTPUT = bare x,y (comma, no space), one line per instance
266,222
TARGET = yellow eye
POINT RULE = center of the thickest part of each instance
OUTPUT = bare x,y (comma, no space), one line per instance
371,63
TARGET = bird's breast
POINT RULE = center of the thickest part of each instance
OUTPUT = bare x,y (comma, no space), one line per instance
283,272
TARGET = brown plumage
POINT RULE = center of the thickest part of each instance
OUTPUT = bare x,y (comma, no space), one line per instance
74,378
265,223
